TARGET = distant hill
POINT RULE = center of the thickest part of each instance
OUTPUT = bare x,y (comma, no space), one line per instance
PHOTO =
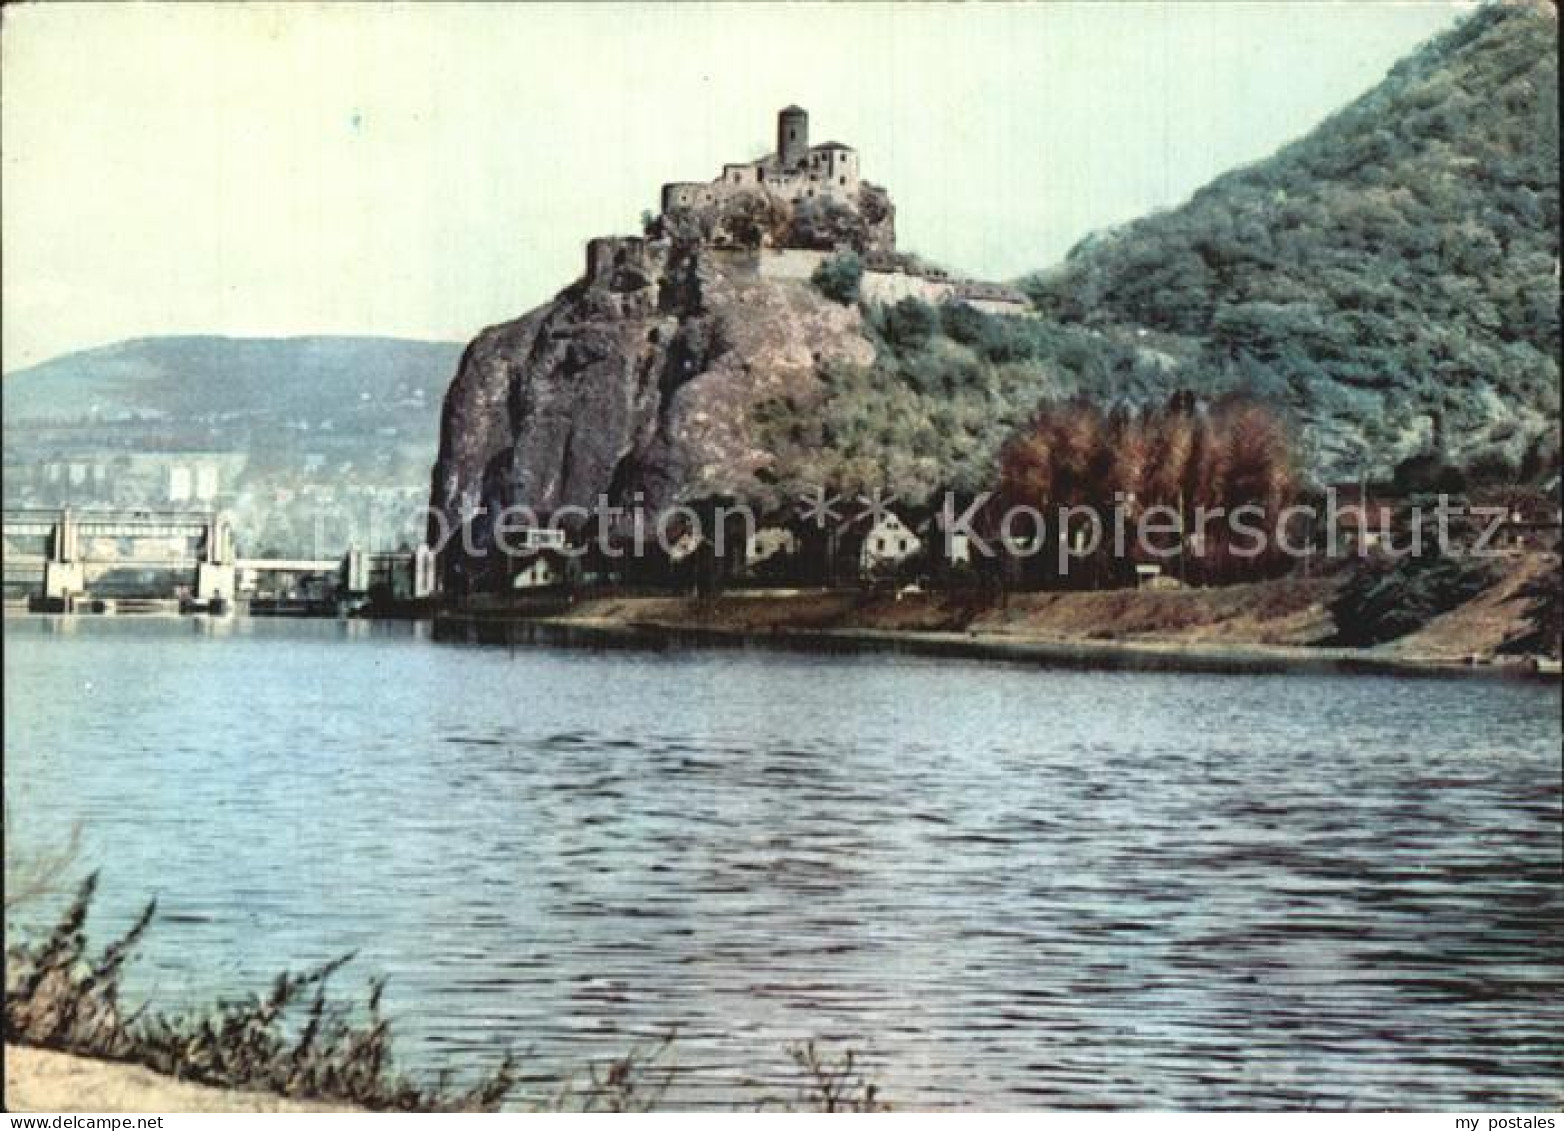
205,378
287,427
1393,276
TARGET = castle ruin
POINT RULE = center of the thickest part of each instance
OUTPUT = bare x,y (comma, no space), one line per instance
781,216
796,171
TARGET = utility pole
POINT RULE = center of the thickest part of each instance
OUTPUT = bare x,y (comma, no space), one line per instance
1183,544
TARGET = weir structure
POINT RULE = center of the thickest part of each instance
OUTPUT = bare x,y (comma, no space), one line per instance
65,555
139,560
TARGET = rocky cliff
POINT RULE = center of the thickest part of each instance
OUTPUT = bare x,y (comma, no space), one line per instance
639,379
1390,280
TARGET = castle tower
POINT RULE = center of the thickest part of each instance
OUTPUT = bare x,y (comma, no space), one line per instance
792,137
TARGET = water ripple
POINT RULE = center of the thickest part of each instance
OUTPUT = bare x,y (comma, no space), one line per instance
1008,886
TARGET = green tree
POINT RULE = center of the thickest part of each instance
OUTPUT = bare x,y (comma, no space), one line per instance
839,277
910,325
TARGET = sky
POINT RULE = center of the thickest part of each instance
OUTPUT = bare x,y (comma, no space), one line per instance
425,170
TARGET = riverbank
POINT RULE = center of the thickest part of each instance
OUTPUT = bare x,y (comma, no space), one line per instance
1271,625
41,1080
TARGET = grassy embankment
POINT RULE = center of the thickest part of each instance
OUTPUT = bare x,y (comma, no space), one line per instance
1502,612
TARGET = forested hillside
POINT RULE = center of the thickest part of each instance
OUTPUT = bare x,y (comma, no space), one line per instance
1393,276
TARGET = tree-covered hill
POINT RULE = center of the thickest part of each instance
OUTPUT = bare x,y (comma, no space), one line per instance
203,383
1393,276
293,429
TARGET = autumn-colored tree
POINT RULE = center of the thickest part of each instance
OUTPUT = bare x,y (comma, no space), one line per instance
1199,462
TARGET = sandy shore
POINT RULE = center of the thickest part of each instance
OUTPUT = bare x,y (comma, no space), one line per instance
38,1080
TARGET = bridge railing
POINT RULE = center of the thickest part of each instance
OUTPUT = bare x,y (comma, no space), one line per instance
94,515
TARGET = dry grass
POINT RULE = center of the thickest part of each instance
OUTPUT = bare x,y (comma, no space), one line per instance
31,876
833,1083
634,1082
1519,613
299,1042
1288,610
295,1041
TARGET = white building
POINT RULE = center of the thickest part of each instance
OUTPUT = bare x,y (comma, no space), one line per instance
887,543
768,542
206,481
539,571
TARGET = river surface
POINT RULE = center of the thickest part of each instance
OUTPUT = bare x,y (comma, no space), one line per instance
1004,885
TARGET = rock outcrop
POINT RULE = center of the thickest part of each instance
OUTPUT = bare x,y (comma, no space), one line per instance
637,384
864,222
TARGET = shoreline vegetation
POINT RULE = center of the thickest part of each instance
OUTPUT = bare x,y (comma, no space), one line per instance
1277,625
70,1044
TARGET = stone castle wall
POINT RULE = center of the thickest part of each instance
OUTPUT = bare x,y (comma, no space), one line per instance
787,262
880,287
889,287
1000,306
791,186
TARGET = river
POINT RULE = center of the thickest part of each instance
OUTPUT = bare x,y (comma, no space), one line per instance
1005,885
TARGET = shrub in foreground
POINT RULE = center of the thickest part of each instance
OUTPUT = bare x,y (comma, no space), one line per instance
296,1041
299,1041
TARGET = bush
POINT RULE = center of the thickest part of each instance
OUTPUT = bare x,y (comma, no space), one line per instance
824,223
1388,600
296,1041
1428,474
839,277
1492,468
910,324
751,218
998,339
1544,618
964,323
